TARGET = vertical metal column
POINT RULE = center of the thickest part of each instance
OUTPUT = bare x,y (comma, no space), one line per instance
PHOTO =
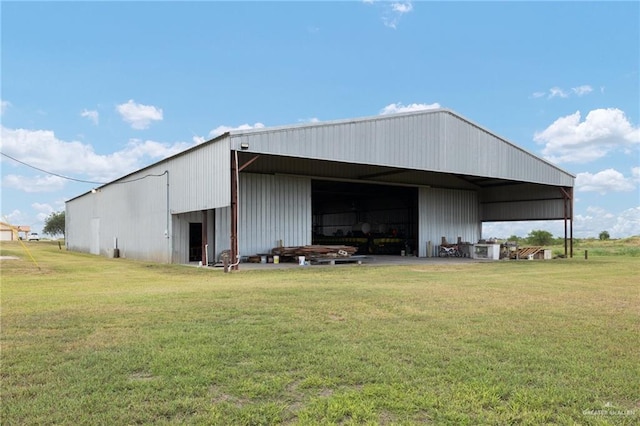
168,232
234,211
567,194
571,223
565,223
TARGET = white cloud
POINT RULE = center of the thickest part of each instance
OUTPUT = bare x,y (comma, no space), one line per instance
392,12
14,218
138,115
609,180
152,149
568,140
521,229
398,107
91,115
223,129
582,90
4,105
309,120
197,140
589,225
41,148
556,92
404,7
597,219
44,210
47,183
626,224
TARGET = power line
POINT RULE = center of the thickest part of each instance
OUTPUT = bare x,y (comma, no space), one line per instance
78,180
51,173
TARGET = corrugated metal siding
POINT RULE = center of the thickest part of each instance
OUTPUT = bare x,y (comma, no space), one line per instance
223,231
134,209
522,192
201,179
483,154
180,234
211,235
276,208
438,141
134,213
521,202
272,209
447,213
78,223
522,210
399,141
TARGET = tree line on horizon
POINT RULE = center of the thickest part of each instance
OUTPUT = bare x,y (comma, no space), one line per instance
55,225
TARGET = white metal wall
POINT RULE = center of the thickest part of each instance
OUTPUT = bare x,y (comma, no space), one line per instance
447,213
523,210
222,238
201,178
78,214
469,147
521,202
137,209
180,224
132,215
272,209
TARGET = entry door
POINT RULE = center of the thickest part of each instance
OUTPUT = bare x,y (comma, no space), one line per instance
195,242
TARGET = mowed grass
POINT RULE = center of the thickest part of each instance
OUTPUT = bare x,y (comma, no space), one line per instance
90,340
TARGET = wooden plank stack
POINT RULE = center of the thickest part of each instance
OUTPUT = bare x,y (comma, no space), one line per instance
315,251
525,252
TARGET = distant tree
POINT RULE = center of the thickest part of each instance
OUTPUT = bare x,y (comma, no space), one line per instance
514,238
540,237
54,224
604,235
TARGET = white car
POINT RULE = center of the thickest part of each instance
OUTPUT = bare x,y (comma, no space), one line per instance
33,237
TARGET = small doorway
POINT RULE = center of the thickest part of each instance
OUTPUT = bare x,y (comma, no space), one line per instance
195,242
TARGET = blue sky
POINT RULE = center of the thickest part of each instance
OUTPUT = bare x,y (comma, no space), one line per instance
95,90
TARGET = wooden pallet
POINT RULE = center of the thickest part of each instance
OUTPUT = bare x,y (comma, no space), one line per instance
525,252
336,260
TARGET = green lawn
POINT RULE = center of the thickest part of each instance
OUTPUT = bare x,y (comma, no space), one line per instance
90,340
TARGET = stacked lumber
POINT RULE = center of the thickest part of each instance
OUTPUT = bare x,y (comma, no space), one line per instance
315,251
524,252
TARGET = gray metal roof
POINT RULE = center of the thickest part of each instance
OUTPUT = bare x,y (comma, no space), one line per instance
437,147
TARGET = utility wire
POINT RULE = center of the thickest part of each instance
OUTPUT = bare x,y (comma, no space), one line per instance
78,180
50,173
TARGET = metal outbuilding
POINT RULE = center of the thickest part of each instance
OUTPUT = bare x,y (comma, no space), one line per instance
413,177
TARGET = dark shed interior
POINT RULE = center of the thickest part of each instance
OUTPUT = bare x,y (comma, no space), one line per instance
378,219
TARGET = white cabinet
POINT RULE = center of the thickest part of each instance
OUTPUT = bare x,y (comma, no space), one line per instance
486,251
